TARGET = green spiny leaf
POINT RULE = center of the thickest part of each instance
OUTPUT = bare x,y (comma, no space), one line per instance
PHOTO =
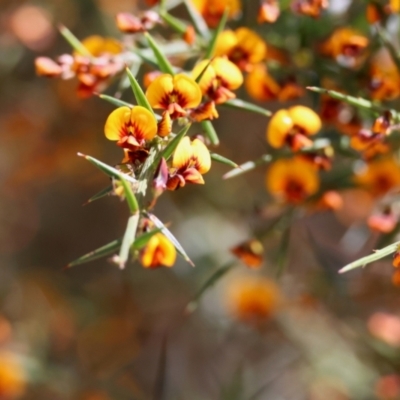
128,239
210,132
171,146
138,92
211,47
75,43
115,101
223,160
163,62
246,106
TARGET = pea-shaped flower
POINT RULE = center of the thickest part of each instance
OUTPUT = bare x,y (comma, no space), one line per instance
158,251
293,127
175,94
130,127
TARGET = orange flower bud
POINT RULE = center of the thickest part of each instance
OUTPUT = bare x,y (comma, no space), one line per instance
312,8
268,12
128,23
250,252
47,67
190,35
158,252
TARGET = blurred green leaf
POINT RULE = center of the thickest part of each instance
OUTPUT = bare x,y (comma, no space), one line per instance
248,166
198,20
115,101
165,231
213,42
163,62
128,239
175,23
143,239
140,97
223,160
110,171
130,196
377,255
75,43
210,132
105,192
246,106
103,251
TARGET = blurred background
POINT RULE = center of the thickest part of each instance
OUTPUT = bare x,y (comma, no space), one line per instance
94,332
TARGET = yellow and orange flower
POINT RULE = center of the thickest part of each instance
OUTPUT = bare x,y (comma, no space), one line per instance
250,253
384,77
262,86
159,251
191,160
212,10
176,94
253,300
347,46
292,180
396,259
268,11
293,127
375,12
220,77
131,128
379,176
243,47
12,377
312,8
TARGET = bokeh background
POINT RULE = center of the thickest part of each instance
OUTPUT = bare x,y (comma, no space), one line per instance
94,332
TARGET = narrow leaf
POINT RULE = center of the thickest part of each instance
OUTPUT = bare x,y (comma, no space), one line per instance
140,97
174,23
210,132
98,253
377,255
198,79
129,196
110,171
198,21
248,166
211,281
211,47
115,101
171,146
128,239
105,192
246,106
165,231
223,160
163,62
75,43
143,239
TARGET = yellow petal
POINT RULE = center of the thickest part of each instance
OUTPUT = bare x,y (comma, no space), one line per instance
207,77
189,90
158,251
183,153
202,155
278,128
228,72
159,90
226,41
252,44
306,119
98,45
144,123
116,122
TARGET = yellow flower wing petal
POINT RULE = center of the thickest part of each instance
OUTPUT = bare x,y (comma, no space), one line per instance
116,122
202,155
226,41
275,178
148,252
302,171
252,44
260,85
168,252
278,128
159,90
230,74
94,44
144,122
207,77
305,118
183,153
112,46
189,90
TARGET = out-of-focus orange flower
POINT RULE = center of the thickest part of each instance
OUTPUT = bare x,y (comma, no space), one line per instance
262,86
150,77
346,46
292,180
383,223
331,200
99,46
321,158
243,47
130,127
312,8
204,111
191,160
385,327
269,11
158,252
175,94
253,299
379,176
293,127
396,278
212,10
190,35
12,377
219,78
129,23
250,252
369,143
384,77
377,11
396,259
388,387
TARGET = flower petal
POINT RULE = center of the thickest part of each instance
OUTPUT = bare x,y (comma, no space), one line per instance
116,123
207,77
306,119
183,153
188,90
278,128
159,90
158,251
144,123
225,43
229,73
202,155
